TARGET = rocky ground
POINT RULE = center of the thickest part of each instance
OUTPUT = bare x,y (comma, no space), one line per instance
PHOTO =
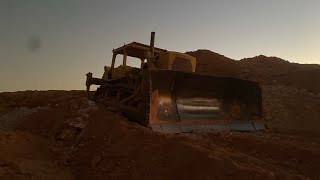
62,135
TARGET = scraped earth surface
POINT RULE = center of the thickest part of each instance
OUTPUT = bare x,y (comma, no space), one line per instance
62,135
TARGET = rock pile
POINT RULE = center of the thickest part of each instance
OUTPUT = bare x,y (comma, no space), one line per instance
12,119
74,125
291,108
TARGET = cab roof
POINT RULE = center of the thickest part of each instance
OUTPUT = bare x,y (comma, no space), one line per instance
137,50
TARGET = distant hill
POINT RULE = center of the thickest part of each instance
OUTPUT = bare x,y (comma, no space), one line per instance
213,63
266,70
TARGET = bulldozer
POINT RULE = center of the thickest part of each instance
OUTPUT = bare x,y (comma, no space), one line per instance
167,94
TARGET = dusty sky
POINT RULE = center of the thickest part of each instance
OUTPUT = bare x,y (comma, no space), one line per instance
52,44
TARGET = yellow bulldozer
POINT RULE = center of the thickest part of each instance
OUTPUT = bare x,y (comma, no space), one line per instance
169,96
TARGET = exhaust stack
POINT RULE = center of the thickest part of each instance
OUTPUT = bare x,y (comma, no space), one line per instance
152,44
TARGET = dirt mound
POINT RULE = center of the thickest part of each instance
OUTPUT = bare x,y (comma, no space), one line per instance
276,71
77,139
215,64
32,99
291,98
26,156
266,70
112,148
291,108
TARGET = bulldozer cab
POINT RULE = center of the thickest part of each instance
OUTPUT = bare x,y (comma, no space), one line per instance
162,59
134,50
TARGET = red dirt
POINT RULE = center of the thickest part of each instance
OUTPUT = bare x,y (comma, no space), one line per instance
291,98
113,148
110,147
266,70
61,135
27,156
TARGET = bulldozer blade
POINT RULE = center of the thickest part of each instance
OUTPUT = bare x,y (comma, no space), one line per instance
185,102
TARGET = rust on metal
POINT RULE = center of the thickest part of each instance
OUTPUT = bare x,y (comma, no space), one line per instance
180,98
167,95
